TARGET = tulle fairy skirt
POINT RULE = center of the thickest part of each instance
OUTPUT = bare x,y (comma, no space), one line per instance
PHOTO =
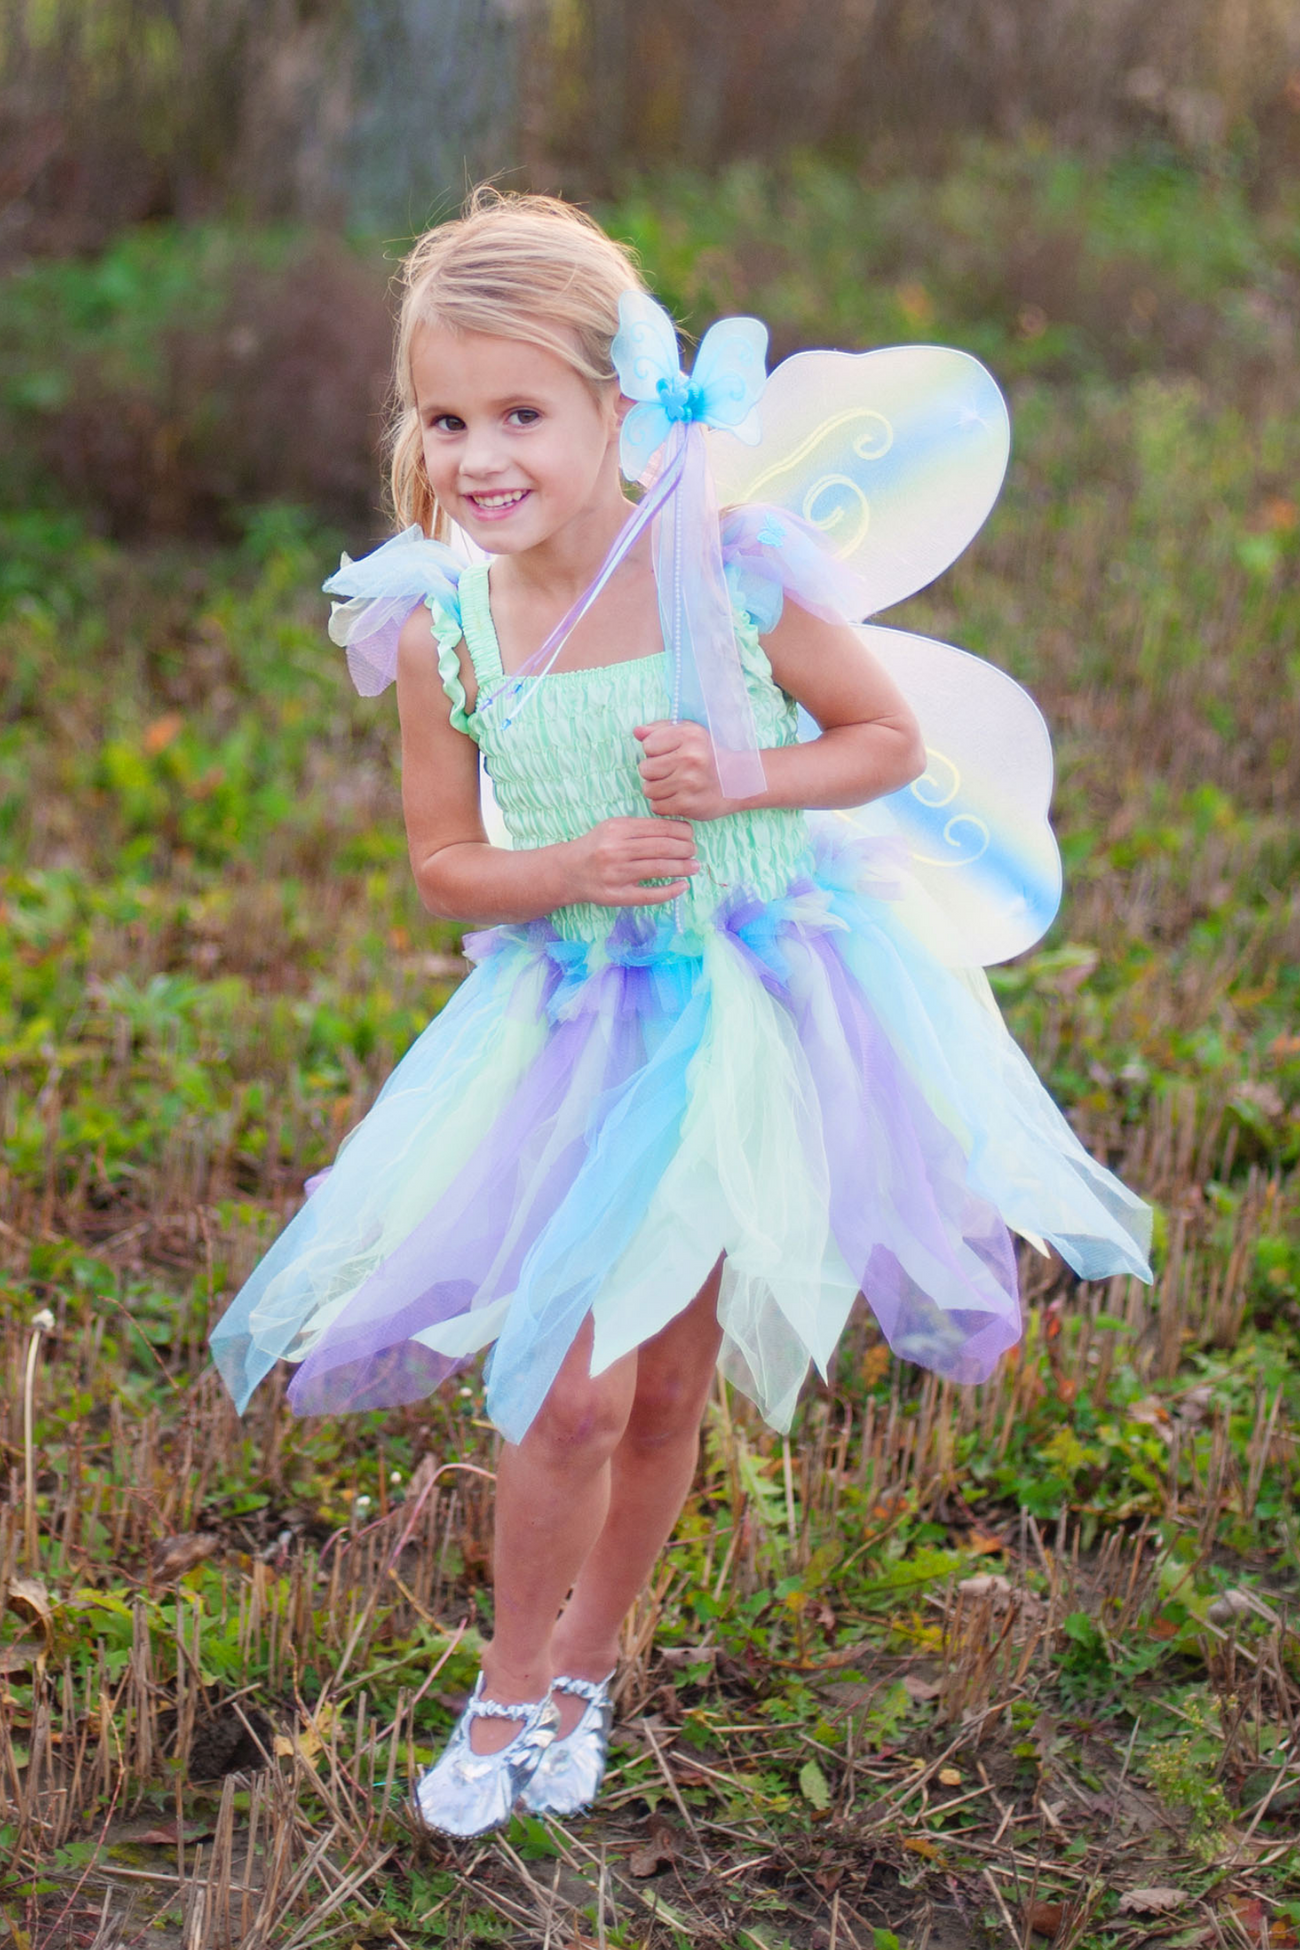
810,1089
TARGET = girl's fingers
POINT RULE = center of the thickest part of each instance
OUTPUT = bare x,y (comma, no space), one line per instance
657,830
678,851
658,738
653,896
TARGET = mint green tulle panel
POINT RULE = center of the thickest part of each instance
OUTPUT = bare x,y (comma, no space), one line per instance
566,759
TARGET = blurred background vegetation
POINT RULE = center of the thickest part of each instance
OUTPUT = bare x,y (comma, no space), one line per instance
196,200
211,953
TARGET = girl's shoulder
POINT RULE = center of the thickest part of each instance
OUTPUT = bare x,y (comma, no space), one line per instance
378,593
768,553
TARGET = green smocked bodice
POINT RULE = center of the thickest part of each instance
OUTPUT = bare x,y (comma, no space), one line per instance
568,760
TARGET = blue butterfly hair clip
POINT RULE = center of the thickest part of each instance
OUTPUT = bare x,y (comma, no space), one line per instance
722,391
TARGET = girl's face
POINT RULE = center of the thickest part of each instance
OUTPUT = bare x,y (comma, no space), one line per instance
518,448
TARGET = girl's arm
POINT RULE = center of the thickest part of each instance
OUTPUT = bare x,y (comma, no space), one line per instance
461,876
870,741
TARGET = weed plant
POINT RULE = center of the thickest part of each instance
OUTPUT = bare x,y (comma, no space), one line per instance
946,1667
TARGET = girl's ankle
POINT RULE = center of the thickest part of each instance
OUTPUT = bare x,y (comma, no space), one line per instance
515,1685
585,1661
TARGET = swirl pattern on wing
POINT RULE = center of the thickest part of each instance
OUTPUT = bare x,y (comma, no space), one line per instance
906,454
976,821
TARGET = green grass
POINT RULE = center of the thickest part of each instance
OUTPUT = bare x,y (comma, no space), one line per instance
211,955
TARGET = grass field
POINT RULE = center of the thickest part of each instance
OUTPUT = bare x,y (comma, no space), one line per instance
949,1668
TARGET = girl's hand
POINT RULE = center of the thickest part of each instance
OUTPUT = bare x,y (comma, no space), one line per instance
609,863
678,775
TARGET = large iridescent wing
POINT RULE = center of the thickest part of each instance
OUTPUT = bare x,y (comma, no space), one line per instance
895,455
976,821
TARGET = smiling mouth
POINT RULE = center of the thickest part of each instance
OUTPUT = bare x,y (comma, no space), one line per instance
497,504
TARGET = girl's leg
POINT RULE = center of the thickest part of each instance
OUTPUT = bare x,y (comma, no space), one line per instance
651,1471
552,1498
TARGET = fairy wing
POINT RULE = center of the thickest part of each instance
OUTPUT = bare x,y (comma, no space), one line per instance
893,459
976,821
896,456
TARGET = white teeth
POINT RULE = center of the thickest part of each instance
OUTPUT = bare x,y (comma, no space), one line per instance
498,500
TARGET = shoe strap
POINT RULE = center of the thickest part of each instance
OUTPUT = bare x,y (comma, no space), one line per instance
588,1689
480,1707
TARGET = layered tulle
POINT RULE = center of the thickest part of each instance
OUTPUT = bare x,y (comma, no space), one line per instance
586,1128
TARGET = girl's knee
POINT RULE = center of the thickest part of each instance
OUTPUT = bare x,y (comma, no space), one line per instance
582,1419
668,1407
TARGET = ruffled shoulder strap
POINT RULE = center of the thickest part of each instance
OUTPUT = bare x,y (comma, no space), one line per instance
380,591
769,554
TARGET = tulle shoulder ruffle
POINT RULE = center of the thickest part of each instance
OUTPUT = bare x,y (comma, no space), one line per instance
379,592
769,554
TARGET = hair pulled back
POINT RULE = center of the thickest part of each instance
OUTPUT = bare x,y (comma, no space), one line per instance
515,266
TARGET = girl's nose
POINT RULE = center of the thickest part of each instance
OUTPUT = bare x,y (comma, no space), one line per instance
481,456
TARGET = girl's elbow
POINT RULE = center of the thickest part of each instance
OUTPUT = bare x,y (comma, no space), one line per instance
900,755
437,896
912,757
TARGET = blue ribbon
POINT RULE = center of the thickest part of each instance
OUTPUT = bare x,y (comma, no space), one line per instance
707,679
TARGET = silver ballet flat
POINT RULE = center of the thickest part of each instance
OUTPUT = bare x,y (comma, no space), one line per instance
568,1776
465,1793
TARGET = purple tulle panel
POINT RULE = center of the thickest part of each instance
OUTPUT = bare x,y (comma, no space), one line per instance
468,1251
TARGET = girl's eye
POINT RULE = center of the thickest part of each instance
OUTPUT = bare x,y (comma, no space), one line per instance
448,423
523,416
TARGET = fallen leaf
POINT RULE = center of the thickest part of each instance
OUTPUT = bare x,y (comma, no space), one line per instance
1255,1920
29,1598
985,1584
814,1786
22,1656
918,1689
174,1556
950,1776
984,1543
1150,1902
1044,1919
655,1852
920,1845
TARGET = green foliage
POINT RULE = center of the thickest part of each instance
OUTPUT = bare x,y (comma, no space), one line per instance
1181,1770
1028,257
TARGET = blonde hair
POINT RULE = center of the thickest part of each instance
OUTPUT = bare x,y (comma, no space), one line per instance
518,267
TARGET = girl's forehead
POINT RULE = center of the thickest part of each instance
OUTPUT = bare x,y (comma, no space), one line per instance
484,365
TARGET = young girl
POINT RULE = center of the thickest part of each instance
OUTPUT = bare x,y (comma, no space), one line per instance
710,1080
